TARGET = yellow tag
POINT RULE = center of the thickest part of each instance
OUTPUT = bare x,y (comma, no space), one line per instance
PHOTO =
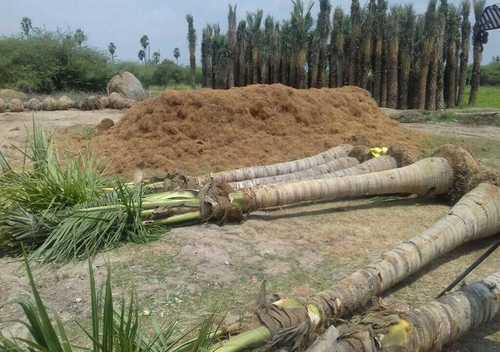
378,151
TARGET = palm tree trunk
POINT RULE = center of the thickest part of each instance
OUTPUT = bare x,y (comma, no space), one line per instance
451,69
464,52
476,73
474,217
432,83
393,66
338,168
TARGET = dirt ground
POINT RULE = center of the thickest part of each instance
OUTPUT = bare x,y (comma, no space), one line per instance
299,251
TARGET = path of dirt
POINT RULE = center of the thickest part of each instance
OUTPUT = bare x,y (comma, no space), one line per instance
299,251
14,126
456,130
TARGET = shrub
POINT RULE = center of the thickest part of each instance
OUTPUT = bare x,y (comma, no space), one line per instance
50,61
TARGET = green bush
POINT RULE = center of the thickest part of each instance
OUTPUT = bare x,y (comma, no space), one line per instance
490,74
49,61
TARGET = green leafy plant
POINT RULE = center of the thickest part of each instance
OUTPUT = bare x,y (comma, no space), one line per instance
114,327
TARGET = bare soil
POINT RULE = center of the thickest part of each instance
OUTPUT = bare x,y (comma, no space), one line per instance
298,250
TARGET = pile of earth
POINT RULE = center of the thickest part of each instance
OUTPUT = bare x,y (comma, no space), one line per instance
200,131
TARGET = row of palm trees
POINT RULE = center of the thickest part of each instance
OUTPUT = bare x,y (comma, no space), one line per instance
405,59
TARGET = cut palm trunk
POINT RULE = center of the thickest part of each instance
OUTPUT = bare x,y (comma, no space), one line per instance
337,168
313,172
427,328
475,216
248,173
450,172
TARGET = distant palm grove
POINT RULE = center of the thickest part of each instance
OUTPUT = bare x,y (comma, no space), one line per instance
406,60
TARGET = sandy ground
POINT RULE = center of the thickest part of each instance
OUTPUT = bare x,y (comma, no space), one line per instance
298,251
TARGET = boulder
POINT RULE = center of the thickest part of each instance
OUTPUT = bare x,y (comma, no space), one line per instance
116,101
65,103
50,104
34,104
104,125
127,85
103,102
12,94
89,103
3,106
16,105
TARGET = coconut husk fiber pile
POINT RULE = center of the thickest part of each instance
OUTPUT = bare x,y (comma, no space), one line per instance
201,131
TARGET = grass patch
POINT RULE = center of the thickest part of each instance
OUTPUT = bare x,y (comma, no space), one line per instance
488,97
486,150
115,327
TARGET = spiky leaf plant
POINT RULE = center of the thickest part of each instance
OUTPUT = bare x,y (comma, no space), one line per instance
114,327
116,218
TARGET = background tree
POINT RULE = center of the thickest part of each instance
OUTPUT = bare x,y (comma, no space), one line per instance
453,40
206,56
337,49
112,50
231,41
177,55
379,49
407,26
464,50
478,53
353,68
323,29
142,55
254,33
393,56
301,24
26,27
79,36
146,47
192,48
156,57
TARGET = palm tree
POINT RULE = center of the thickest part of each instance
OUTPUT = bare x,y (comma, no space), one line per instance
337,49
112,50
366,72
353,71
79,37
145,45
379,49
435,92
478,53
464,51
407,25
241,64
268,50
323,29
392,38
312,58
26,26
425,52
177,55
453,39
301,24
142,55
192,48
206,56
231,41
156,57
254,22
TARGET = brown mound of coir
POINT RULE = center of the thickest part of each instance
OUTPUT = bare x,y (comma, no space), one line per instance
202,131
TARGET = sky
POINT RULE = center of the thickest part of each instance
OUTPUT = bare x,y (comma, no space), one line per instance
125,21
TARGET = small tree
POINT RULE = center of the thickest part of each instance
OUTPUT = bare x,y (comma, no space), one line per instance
142,55
79,36
145,45
177,55
112,50
156,57
192,48
26,26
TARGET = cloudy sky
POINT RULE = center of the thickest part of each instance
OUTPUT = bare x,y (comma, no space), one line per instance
125,21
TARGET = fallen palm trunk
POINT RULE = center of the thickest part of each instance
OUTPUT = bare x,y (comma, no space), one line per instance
450,172
427,328
475,216
311,173
334,169
248,173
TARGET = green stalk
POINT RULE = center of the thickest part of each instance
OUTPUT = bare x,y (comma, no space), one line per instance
177,219
253,338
